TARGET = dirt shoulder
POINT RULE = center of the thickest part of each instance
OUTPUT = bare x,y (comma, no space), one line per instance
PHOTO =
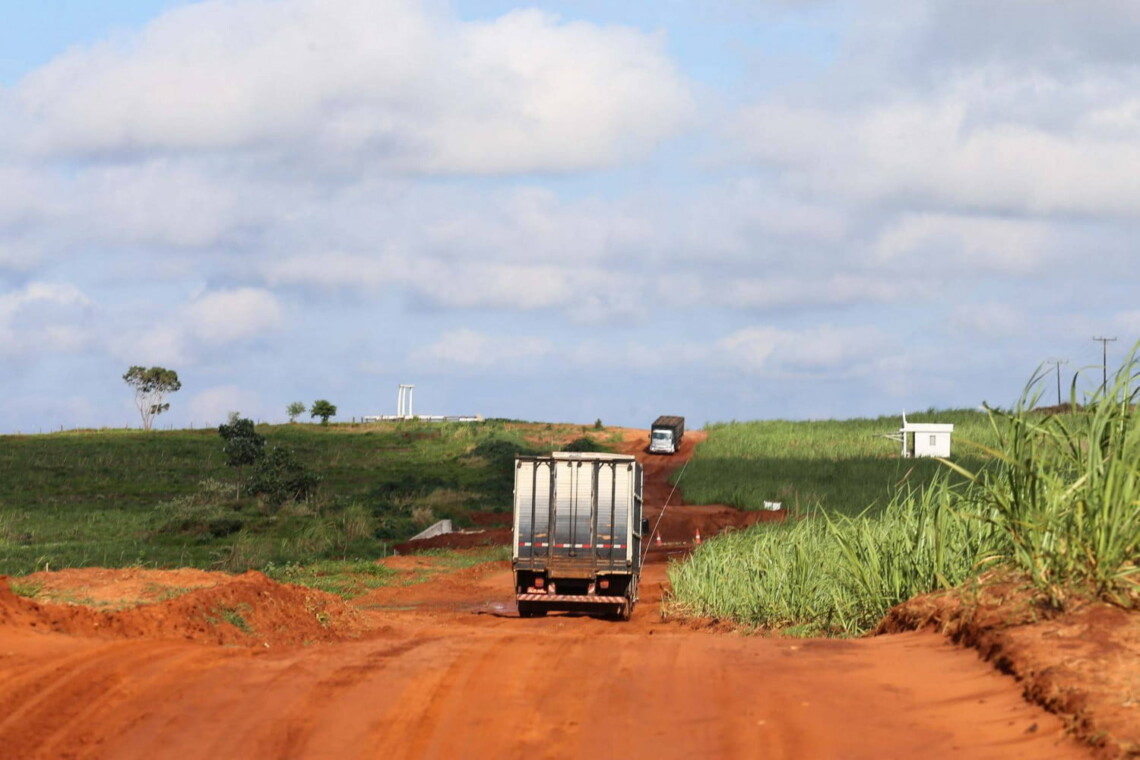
1082,664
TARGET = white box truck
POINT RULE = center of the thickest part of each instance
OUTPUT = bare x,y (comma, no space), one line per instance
577,533
666,433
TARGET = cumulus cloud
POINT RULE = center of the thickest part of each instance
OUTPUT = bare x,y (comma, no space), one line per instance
770,350
946,241
1129,321
214,405
44,317
933,152
397,83
1017,107
189,331
758,350
990,321
227,316
470,348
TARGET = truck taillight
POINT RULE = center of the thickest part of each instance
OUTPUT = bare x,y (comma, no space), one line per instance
539,582
604,583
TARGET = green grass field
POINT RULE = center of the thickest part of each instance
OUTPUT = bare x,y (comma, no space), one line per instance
166,499
840,466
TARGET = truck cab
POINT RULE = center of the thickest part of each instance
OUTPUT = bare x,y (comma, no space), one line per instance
661,442
666,433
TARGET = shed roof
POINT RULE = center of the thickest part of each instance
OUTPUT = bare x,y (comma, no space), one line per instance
926,427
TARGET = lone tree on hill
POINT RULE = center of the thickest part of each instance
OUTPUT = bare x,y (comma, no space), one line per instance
151,386
295,410
322,409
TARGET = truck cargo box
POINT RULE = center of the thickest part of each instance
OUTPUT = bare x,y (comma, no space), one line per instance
577,533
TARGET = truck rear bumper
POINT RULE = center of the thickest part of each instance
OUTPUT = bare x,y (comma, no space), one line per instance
584,599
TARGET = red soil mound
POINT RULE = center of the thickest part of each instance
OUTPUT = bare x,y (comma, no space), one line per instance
248,609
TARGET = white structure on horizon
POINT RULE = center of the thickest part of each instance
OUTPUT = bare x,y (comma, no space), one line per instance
404,402
924,439
406,411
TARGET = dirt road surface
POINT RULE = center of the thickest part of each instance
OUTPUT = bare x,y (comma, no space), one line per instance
446,669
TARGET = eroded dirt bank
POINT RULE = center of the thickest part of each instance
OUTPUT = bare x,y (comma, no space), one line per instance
445,668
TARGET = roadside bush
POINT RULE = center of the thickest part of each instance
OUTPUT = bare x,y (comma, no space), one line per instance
278,477
584,444
209,509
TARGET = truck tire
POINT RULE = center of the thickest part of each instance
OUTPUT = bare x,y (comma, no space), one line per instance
623,613
531,610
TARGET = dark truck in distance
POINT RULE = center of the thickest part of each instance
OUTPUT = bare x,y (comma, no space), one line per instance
665,435
577,533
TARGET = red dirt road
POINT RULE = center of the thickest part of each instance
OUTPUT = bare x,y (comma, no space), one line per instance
445,669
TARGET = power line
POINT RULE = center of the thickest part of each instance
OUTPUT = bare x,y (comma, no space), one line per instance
1057,363
1104,382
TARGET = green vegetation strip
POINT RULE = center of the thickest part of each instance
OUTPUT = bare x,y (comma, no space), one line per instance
1057,500
844,466
167,499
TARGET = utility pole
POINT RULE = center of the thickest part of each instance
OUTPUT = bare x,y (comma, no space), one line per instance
1057,363
1104,382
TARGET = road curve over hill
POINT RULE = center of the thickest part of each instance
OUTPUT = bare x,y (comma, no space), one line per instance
445,669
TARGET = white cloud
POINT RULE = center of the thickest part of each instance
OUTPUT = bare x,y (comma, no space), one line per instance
470,348
945,241
388,81
769,350
185,333
213,405
990,321
799,289
228,316
163,344
759,350
1130,322
44,317
954,149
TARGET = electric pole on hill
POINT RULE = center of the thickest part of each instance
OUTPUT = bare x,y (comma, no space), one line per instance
1057,363
1104,383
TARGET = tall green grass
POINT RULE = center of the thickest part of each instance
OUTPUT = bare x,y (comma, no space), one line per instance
834,574
1065,491
1055,497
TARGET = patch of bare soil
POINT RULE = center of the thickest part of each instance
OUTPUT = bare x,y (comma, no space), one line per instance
1082,664
245,609
115,589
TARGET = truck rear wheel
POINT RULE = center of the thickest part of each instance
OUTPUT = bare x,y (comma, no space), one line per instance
531,610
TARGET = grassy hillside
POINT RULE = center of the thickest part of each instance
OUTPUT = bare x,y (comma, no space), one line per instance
844,466
117,498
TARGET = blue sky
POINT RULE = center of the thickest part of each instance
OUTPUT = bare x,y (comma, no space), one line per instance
562,210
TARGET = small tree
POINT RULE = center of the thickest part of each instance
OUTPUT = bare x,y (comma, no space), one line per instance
295,410
151,386
243,444
279,478
322,409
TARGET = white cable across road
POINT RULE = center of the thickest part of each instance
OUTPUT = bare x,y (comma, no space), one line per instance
653,532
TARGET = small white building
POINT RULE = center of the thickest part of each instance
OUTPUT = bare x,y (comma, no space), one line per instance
925,439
